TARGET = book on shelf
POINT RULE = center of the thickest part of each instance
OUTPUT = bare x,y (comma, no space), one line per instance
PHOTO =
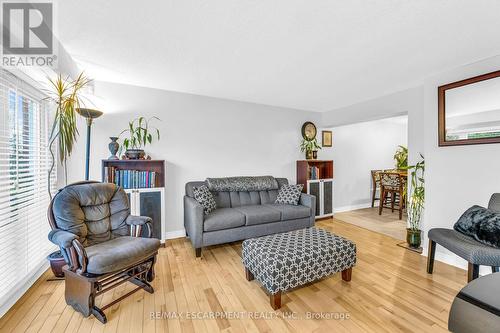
314,173
130,178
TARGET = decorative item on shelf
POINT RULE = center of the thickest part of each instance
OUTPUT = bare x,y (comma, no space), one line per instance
401,158
89,115
326,138
140,133
65,93
310,147
113,148
416,204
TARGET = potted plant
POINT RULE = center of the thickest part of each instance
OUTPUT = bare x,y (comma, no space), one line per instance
65,93
416,203
401,158
310,147
140,133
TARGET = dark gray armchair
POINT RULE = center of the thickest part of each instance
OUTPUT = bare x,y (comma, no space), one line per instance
101,243
466,247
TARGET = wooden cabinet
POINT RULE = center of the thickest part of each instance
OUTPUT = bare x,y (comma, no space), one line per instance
317,178
322,189
149,202
144,184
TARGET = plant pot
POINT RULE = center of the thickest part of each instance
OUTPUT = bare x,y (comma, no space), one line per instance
315,154
113,147
56,263
134,154
309,155
413,238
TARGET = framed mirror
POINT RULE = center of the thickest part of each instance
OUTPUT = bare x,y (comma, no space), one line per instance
469,111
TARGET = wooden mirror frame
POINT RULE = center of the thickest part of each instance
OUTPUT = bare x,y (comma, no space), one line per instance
442,112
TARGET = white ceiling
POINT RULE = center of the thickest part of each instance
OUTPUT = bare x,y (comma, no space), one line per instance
311,55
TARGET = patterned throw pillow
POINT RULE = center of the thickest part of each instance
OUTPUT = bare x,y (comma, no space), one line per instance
289,194
205,198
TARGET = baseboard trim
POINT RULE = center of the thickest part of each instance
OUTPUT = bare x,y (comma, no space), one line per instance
11,298
175,234
351,207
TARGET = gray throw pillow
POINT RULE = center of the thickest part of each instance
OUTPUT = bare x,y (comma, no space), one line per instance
480,223
205,198
289,194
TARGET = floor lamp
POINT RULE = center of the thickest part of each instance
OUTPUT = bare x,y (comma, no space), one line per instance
89,115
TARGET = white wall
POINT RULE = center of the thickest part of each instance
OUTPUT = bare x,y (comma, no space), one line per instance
461,176
359,148
200,137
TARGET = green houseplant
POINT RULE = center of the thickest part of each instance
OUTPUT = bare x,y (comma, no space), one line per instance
139,134
65,94
401,158
416,203
309,147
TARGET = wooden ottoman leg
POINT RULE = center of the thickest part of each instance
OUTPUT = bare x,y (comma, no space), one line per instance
347,274
275,300
249,274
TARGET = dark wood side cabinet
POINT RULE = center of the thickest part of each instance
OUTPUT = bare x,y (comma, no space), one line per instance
317,178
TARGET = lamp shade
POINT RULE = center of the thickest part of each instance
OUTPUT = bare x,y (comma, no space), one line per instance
89,113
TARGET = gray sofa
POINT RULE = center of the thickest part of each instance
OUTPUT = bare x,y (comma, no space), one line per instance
243,214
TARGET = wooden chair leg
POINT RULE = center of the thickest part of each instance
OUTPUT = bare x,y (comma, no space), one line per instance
249,275
381,201
275,300
393,200
430,256
472,272
347,274
79,293
494,269
373,195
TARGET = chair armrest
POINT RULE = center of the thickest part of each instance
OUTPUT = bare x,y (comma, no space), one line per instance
62,238
138,220
136,224
73,250
309,201
193,221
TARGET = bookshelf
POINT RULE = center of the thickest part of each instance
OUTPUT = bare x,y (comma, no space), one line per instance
146,198
156,166
304,171
317,178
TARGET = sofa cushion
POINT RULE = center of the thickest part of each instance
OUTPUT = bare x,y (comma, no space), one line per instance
244,198
205,198
242,184
289,194
119,253
291,212
223,218
259,214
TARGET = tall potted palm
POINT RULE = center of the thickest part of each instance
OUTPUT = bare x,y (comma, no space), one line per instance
65,94
416,203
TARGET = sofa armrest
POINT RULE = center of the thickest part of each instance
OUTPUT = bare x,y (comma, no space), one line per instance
309,201
62,238
193,221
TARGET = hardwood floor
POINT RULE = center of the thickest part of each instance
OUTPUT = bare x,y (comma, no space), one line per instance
388,223
389,292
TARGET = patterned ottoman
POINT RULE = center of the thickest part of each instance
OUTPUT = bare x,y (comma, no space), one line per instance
284,261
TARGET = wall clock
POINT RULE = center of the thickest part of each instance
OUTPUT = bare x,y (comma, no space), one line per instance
309,131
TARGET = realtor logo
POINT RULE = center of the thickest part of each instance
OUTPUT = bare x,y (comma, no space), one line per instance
27,28
27,34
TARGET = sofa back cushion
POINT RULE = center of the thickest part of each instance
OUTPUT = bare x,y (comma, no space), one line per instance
229,199
95,212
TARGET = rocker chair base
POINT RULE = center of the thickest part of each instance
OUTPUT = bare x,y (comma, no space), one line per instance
82,289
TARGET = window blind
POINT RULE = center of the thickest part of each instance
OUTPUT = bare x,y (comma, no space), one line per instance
24,164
